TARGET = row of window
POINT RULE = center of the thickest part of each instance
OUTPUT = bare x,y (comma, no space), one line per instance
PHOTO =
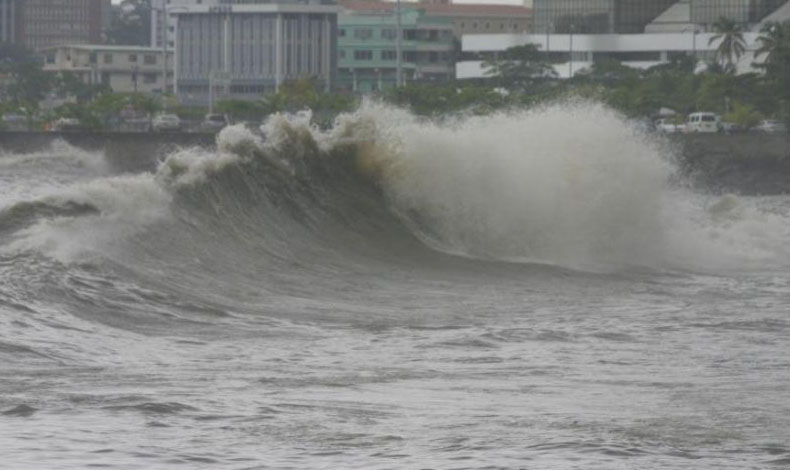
391,34
391,55
148,59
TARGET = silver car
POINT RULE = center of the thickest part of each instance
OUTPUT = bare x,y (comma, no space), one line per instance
770,126
166,122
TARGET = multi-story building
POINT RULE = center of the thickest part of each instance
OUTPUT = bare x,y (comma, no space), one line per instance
124,69
367,48
577,32
45,23
596,16
639,16
241,49
162,10
8,20
466,18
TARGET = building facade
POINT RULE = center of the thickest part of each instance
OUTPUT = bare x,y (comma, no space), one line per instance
466,18
639,16
639,51
45,23
596,16
367,54
8,20
576,33
242,50
163,10
125,69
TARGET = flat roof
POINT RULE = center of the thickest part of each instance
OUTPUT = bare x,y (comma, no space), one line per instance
107,47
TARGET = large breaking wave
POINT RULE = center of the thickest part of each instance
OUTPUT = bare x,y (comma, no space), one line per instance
574,185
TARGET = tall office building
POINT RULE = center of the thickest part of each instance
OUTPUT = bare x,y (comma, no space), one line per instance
45,23
596,16
243,48
8,20
163,10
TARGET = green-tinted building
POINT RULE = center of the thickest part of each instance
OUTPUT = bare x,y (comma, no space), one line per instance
367,57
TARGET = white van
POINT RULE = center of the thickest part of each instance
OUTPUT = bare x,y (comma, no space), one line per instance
703,122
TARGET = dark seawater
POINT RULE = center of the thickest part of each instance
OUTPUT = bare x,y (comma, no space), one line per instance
526,290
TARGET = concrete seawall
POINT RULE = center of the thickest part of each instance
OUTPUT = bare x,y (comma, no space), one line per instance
125,151
743,163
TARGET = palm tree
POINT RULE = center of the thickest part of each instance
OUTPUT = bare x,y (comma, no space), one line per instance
732,45
774,40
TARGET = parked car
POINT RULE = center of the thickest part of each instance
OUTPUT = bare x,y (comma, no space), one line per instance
731,127
214,122
667,126
770,126
703,122
166,122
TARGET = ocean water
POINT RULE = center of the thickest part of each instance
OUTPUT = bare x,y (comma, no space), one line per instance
538,290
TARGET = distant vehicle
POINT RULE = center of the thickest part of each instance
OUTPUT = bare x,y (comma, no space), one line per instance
166,122
770,126
731,127
703,122
14,122
66,124
214,122
667,126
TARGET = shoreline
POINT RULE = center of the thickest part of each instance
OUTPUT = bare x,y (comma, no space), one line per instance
742,163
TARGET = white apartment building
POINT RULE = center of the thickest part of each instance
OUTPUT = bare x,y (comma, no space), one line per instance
640,51
125,69
655,36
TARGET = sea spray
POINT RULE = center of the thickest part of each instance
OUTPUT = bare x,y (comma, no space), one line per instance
573,184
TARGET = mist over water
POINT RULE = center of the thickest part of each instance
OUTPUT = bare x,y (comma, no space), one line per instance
526,289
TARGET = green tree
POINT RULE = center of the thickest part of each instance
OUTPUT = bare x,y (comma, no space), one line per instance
28,83
732,45
520,67
130,23
775,45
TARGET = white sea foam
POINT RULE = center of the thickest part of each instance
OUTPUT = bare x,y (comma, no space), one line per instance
59,152
574,184
125,205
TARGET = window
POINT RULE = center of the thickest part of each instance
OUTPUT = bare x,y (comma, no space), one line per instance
363,55
132,57
341,54
389,55
149,59
341,33
149,78
107,58
363,33
389,33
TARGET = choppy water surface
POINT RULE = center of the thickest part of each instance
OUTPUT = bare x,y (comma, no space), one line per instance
486,292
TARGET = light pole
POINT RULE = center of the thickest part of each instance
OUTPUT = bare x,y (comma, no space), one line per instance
570,50
398,48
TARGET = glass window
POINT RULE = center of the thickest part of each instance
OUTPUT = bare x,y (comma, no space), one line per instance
363,33
363,55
